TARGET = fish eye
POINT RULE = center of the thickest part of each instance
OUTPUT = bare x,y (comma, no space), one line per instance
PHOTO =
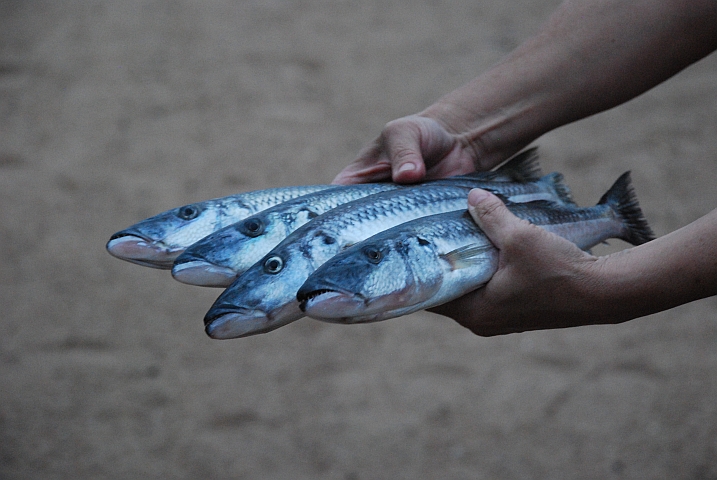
252,227
273,264
373,254
188,212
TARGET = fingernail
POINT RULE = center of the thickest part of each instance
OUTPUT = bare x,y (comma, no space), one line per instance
476,196
406,167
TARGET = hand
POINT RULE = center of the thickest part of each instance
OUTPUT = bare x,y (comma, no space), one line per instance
543,281
411,149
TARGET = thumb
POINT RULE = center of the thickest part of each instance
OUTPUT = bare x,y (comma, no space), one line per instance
492,216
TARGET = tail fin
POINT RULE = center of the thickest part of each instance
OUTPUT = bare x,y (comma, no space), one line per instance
622,199
523,167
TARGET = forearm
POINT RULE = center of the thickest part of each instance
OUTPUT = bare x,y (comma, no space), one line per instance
590,56
672,270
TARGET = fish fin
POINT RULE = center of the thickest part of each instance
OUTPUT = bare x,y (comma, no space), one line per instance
555,191
557,181
466,256
622,199
523,167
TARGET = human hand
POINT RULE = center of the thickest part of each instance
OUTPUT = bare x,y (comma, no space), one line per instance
543,280
411,149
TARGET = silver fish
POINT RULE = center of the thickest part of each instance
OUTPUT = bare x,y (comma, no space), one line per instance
217,260
433,260
157,241
264,297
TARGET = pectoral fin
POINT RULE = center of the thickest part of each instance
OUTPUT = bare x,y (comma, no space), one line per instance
467,256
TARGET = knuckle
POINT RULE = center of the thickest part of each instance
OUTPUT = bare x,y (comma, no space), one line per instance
489,209
399,154
400,126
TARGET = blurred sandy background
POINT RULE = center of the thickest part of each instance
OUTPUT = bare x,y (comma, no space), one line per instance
114,111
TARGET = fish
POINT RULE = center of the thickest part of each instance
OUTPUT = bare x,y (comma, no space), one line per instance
218,259
157,241
263,298
433,260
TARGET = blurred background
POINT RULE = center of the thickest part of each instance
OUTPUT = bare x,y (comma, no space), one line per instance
111,112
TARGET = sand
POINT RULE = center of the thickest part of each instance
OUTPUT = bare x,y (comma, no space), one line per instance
113,111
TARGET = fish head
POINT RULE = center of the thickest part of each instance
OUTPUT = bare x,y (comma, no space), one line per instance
365,282
159,240
224,322
219,258
261,299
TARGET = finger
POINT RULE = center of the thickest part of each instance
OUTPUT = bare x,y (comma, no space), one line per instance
492,216
353,174
371,165
402,141
474,312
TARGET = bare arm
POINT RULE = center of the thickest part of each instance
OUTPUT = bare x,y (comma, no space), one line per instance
590,56
546,282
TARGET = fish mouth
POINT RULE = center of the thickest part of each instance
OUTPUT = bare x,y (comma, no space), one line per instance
223,322
136,248
331,305
197,271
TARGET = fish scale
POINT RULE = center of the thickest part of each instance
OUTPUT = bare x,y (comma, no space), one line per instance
393,207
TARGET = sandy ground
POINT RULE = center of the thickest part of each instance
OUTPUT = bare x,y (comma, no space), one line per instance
114,111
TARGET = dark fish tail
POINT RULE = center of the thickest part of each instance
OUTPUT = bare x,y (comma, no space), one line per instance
622,199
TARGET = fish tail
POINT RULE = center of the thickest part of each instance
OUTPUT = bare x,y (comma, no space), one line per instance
622,199
523,167
557,182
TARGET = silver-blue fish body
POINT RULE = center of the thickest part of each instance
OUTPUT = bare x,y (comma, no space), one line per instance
219,258
264,297
432,260
401,270
157,241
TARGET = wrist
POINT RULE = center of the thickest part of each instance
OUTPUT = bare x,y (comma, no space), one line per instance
496,118
627,285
